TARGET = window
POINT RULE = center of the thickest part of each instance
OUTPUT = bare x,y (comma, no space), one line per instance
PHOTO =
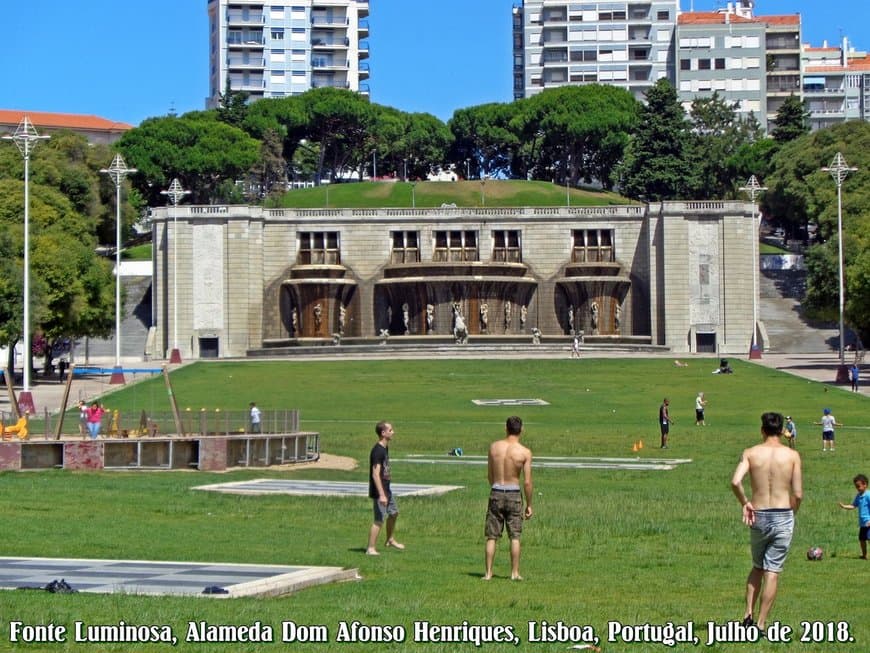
720,63
703,64
506,246
663,15
406,248
277,34
685,64
318,248
455,246
592,246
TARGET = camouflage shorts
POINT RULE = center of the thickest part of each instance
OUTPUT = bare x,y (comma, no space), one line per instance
505,509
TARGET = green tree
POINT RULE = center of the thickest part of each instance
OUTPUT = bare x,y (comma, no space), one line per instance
718,134
201,151
792,120
801,192
483,138
657,162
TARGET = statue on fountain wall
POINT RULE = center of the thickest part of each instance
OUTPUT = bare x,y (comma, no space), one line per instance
571,319
593,309
617,317
342,317
524,314
294,321
484,317
405,318
507,315
318,316
430,318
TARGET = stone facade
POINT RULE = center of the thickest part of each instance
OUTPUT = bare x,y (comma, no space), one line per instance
675,274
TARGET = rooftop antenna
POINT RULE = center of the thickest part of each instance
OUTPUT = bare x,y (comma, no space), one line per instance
172,111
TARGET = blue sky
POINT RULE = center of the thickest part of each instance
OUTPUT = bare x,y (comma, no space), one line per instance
128,60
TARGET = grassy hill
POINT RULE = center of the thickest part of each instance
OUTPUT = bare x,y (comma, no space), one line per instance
430,194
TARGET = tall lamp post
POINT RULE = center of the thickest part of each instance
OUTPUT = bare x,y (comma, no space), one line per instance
753,188
118,170
839,171
175,193
26,138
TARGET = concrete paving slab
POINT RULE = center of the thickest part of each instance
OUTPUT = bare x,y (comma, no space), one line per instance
165,578
321,488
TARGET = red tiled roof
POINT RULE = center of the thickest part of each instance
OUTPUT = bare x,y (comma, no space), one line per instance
62,120
718,18
855,64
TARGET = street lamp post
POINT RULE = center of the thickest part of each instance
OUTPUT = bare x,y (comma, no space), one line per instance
483,191
175,193
754,188
26,138
118,170
839,171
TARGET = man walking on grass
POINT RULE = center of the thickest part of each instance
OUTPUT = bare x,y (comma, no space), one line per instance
507,461
385,508
777,489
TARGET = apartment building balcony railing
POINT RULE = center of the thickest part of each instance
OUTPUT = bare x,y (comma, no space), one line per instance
363,49
362,8
330,43
364,89
329,83
819,90
363,28
330,21
251,84
237,62
240,18
245,40
319,63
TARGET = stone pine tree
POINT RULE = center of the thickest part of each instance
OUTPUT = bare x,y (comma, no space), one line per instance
792,120
657,165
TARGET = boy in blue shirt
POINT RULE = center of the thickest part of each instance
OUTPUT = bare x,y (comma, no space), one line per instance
861,502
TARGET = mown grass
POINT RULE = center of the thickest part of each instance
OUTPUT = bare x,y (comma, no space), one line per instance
637,547
494,193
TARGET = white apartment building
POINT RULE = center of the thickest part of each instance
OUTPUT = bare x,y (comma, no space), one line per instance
836,84
627,44
276,49
752,61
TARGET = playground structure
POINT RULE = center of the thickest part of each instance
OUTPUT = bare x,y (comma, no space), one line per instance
203,440
19,428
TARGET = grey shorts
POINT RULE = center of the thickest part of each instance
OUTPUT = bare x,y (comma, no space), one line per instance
770,537
381,512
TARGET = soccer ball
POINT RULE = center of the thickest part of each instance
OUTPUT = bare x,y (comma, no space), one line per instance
815,553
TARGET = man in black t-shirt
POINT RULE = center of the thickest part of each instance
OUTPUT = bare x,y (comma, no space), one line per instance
384,507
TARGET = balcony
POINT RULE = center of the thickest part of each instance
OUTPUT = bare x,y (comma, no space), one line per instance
237,62
326,82
320,64
363,28
244,40
330,22
364,70
237,18
363,49
329,43
362,8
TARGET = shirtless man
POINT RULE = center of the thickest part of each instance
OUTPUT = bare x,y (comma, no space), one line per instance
777,489
508,459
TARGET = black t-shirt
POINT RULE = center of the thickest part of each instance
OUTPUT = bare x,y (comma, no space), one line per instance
380,455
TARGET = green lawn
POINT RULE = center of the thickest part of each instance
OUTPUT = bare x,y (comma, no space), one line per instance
635,547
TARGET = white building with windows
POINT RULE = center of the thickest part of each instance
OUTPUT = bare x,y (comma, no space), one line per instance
277,49
836,84
627,44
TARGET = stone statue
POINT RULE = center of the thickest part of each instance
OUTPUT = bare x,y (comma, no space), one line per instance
294,321
460,331
536,336
524,313
617,317
484,317
571,319
594,311
430,318
318,317
507,315
342,316
405,317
